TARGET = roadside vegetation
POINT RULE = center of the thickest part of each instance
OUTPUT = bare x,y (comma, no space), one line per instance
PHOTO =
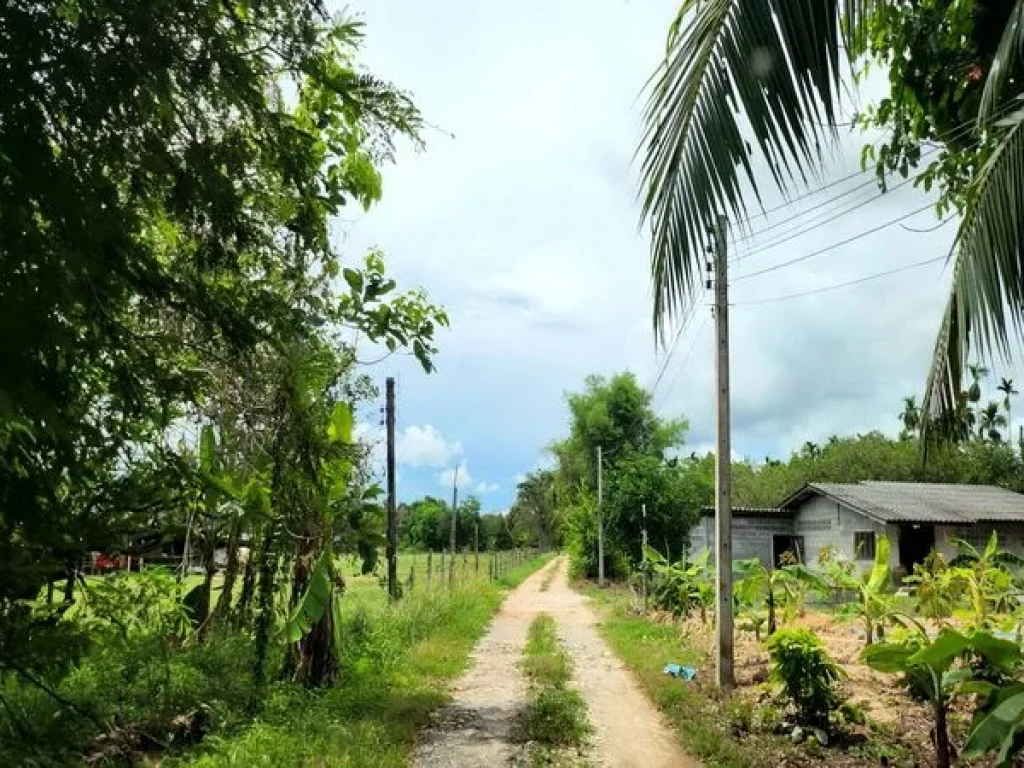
142,689
911,679
555,725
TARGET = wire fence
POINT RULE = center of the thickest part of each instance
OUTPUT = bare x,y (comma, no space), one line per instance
418,571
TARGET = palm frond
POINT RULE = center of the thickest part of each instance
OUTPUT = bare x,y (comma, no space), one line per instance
1004,64
986,302
776,63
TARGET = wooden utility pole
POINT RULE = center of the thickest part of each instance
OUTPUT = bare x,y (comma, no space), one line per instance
451,533
392,547
723,465
600,523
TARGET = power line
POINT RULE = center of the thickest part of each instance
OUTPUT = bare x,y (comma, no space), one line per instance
824,217
962,129
675,343
686,357
904,268
833,246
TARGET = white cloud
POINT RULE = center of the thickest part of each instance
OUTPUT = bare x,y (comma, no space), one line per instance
551,279
466,480
520,478
425,447
446,477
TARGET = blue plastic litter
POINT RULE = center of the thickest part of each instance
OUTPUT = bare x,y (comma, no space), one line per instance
677,670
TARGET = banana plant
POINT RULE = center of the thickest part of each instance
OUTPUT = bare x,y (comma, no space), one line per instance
930,665
787,585
874,604
988,575
683,586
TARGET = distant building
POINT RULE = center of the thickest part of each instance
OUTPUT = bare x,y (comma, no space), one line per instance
916,517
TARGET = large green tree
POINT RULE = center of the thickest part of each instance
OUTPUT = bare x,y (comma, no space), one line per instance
745,81
168,176
616,415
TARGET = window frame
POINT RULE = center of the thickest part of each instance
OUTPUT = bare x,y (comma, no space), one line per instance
865,553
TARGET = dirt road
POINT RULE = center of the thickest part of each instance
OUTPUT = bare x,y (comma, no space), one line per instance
476,729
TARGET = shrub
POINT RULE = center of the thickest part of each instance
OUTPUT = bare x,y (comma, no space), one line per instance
684,586
807,673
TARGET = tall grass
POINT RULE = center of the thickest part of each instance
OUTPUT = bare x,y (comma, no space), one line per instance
197,705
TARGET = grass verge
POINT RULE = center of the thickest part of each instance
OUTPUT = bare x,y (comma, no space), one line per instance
555,720
694,709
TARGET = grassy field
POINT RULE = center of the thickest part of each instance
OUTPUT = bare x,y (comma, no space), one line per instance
404,658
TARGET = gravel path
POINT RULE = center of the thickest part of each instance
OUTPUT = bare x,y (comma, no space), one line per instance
476,728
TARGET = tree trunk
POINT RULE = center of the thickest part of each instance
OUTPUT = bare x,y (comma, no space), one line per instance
313,661
230,573
941,736
210,566
771,611
49,592
265,617
243,608
69,582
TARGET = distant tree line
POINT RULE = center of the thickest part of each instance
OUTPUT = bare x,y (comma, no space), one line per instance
644,465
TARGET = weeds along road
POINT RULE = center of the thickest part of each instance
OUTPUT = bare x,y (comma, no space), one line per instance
478,727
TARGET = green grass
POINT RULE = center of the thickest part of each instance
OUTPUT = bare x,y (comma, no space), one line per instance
555,717
396,666
694,709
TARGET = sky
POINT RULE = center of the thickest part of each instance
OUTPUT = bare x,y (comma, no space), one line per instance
520,217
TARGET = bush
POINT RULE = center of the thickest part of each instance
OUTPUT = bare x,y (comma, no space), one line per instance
807,673
581,545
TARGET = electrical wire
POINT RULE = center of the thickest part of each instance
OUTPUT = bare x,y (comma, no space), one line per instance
686,357
675,343
833,246
904,268
962,129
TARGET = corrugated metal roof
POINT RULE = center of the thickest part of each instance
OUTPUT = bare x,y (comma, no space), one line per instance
923,502
751,511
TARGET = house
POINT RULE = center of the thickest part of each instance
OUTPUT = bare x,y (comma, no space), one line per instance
916,518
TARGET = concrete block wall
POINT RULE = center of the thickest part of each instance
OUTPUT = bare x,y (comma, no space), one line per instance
751,536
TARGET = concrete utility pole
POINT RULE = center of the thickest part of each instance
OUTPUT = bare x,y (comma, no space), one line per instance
723,465
643,555
451,534
392,547
600,523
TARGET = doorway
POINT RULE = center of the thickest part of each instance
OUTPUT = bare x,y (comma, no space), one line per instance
917,540
782,543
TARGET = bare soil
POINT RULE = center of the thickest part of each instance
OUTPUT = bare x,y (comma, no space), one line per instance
478,727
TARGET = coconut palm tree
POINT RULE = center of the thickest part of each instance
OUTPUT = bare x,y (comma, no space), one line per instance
990,421
978,372
773,71
911,416
1006,387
